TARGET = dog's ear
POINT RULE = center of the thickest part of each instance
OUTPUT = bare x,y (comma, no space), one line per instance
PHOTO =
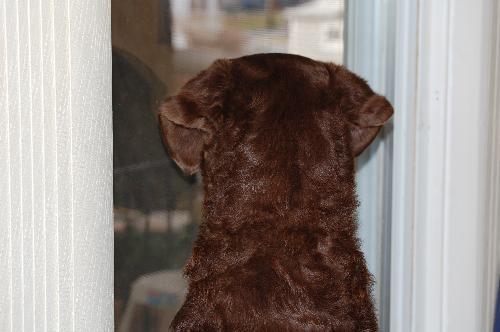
366,122
365,111
183,133
187,120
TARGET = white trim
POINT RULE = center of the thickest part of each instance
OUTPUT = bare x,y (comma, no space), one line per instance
443,161
493,209
369,53
403,206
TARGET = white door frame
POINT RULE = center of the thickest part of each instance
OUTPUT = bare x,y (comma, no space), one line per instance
56,229
446,166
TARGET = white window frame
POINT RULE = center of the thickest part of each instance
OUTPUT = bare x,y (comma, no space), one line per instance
438,84
446,186
370,52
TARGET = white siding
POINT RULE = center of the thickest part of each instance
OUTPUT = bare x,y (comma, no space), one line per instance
56,166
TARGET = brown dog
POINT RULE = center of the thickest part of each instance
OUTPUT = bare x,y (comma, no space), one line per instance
275,137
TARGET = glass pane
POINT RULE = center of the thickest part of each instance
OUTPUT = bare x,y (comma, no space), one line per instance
157,46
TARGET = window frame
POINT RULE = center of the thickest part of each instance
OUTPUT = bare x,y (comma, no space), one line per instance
445,236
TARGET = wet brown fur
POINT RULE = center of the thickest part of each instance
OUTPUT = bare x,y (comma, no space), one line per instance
275,137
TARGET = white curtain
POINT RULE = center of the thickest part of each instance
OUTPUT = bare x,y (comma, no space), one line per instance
56,232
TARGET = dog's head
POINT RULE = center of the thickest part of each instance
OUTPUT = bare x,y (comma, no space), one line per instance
264,106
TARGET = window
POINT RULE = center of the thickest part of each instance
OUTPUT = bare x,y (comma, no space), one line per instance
156,48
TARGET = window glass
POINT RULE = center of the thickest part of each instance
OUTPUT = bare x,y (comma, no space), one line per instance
157,46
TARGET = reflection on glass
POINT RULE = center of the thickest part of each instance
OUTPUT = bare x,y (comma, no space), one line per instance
157,46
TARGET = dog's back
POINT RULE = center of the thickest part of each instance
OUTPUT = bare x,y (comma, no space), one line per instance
275,137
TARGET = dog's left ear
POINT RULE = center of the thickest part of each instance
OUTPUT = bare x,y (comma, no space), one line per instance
366,122
187,119
365,111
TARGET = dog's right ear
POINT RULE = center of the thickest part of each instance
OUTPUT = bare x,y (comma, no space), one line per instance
183,135
187,120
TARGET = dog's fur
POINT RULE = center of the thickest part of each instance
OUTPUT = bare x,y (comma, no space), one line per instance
275,137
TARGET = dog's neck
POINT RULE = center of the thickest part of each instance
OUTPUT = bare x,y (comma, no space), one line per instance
283,197
246,211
